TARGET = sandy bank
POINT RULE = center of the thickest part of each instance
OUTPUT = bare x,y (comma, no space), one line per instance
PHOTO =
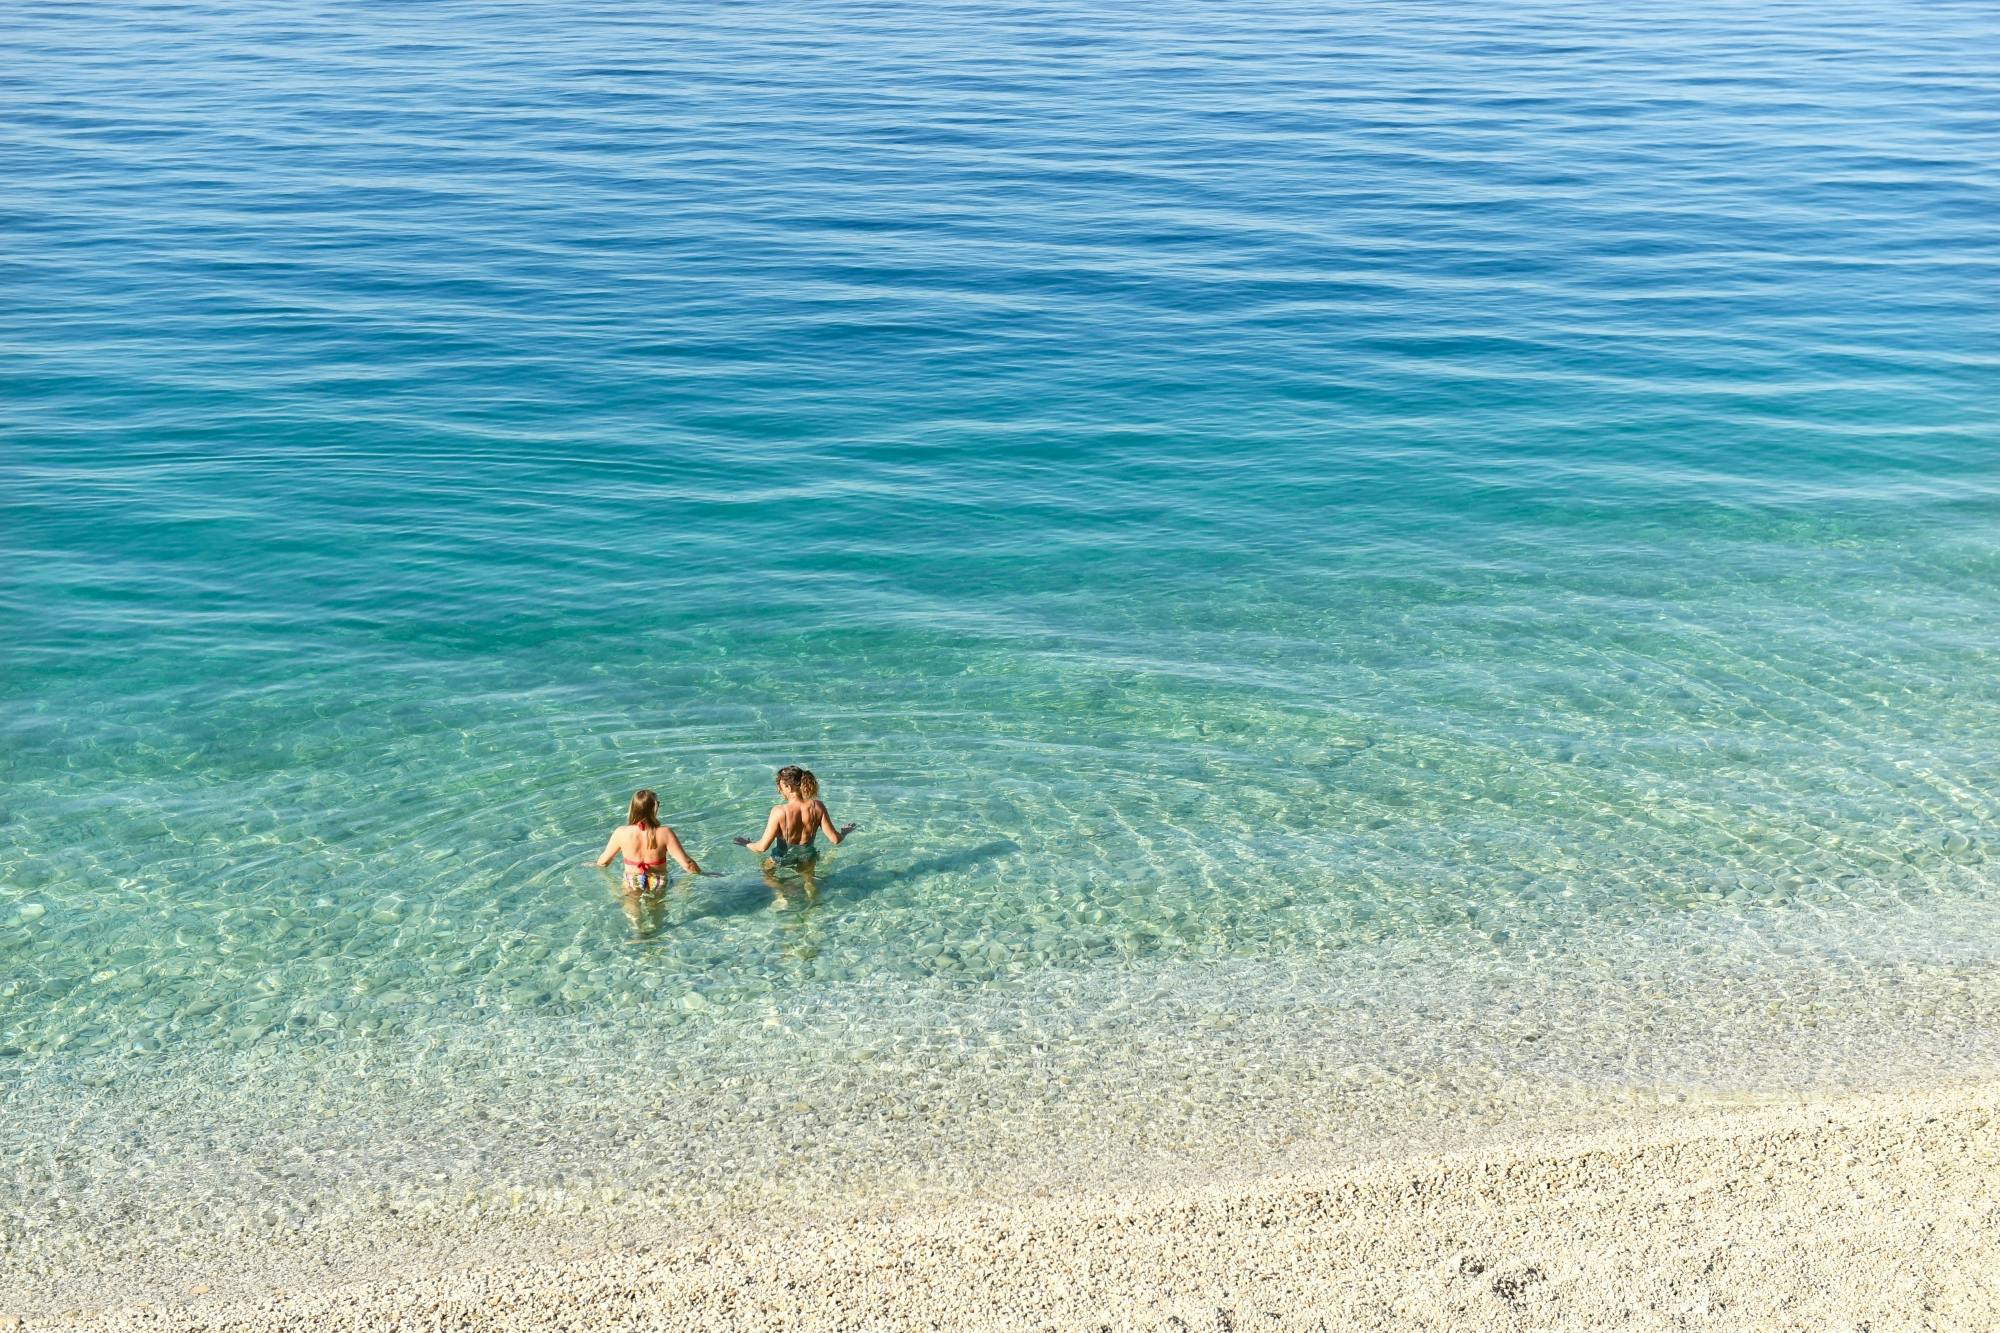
1882,1211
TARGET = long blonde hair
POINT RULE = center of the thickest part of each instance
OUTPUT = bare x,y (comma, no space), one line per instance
644,810
798,780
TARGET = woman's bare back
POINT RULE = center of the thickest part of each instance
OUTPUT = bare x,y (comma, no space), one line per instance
642,846
646,850
798,821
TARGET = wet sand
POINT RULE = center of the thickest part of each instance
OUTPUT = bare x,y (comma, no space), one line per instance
1880,1211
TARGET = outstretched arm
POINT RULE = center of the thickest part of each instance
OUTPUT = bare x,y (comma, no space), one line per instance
770,832
610,848
675,850
834,835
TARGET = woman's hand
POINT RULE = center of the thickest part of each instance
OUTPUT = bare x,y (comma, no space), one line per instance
846,829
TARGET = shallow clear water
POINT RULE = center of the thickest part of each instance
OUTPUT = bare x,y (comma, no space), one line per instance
1359,567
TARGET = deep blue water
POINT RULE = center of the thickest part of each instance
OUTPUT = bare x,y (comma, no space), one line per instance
1453,547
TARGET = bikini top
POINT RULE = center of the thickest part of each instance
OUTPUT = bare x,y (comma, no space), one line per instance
660,864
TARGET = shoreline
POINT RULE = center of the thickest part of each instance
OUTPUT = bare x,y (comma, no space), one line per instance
1828,1211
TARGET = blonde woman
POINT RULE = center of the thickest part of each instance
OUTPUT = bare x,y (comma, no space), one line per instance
645,844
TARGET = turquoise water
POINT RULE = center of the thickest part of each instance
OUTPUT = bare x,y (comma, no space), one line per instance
1361,568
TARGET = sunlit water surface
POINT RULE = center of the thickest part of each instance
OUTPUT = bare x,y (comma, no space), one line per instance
1363,570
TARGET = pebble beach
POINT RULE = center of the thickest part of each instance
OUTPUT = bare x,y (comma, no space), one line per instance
1880,1211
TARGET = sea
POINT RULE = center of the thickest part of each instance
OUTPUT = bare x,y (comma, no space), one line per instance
1371,575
